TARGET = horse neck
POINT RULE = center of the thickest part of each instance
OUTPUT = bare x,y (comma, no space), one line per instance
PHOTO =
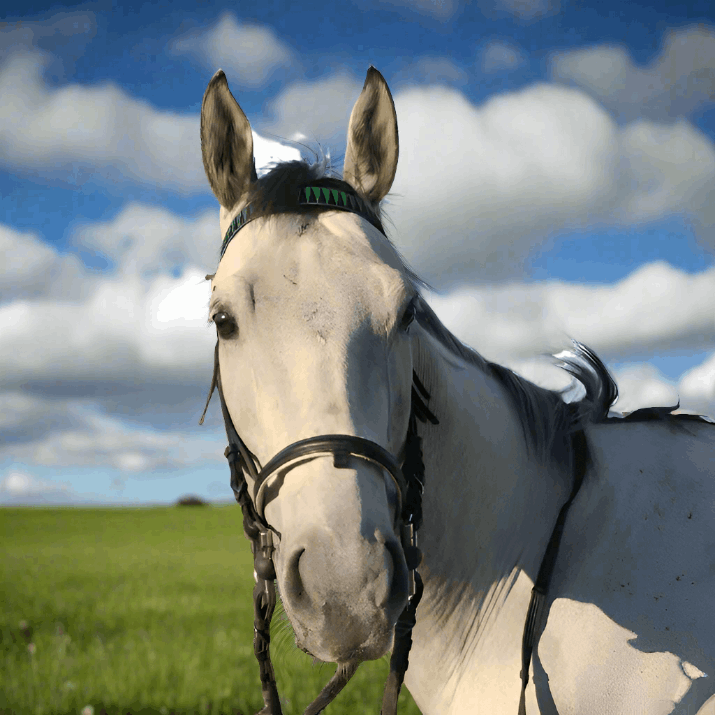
489,508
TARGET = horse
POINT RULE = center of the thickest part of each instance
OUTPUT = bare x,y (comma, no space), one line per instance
323,328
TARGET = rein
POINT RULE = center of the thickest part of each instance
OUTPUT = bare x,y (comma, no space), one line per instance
409,479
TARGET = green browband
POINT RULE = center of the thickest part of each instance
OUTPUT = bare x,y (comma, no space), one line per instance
343,199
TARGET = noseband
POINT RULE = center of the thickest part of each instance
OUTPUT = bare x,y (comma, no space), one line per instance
408,478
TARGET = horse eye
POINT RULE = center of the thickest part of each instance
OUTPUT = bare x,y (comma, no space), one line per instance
225,324
408,316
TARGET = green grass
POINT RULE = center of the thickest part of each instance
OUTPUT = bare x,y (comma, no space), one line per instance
145,611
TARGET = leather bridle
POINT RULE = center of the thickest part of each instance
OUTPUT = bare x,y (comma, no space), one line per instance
409,479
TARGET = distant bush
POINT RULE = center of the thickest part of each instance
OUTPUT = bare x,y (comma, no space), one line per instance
191,501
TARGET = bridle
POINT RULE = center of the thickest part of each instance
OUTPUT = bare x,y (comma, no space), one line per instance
408,478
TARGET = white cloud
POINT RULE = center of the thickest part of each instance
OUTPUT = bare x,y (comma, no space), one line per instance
115,335
427,70
146,240
657,309
499,55
639,385
95,438
21,488
106,441
23,484
79,133
317,109
697,387
50,34
113,135
643,385
668,169
250,54
478,189
680,81
14,35
30,268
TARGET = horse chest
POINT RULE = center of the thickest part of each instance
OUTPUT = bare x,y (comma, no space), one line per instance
628,629
588,664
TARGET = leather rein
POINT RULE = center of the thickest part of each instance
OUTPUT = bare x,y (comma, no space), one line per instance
409,479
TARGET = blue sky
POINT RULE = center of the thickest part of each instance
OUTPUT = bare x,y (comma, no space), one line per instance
556,179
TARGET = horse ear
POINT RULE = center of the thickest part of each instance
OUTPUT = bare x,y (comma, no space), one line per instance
226,143
371,156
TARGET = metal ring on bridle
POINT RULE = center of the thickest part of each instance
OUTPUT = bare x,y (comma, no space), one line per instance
339,446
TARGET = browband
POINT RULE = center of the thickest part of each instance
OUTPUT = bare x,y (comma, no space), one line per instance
315,195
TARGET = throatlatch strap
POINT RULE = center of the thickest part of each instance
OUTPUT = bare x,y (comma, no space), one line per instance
541,586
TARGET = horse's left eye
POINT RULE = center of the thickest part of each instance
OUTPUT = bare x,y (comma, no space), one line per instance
408,316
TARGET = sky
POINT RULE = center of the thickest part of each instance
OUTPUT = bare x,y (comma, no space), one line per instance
556,180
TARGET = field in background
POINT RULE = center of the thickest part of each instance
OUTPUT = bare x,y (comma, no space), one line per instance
145,611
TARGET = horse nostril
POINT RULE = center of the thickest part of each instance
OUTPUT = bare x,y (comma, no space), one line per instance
293,582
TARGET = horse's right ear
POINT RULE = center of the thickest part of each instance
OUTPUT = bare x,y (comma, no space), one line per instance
373,146
226,143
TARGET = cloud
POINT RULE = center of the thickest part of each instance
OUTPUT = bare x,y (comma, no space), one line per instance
317,109
20,488
106,441
667,169
148,240
643,385
111,135
80,433
31,269
479,189
501,179
658,309
427,70
115,336
697,388
19,483
639,385
78,134
250,54
679,82
63,37
499,55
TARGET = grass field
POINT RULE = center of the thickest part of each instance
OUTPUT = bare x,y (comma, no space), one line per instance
145,611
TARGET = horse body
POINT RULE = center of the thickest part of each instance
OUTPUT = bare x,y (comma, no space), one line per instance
311,315
628,628
630,625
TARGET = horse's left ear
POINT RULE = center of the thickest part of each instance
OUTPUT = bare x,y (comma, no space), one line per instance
371,156
226,144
